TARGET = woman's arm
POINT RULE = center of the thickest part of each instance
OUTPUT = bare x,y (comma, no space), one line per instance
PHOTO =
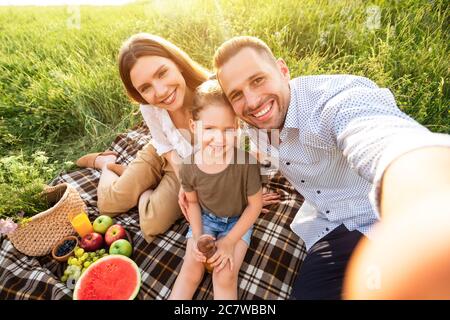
174,160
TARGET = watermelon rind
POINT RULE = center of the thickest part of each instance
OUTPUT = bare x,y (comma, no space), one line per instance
109,257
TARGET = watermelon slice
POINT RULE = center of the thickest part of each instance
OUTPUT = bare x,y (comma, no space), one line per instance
114,277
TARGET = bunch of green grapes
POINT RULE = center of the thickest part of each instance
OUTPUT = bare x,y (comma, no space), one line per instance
77,264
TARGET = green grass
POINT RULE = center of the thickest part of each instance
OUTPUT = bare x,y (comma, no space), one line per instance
60,91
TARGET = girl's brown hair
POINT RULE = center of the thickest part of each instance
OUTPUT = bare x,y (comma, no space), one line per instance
144,44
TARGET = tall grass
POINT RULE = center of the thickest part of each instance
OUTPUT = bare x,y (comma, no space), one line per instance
60,91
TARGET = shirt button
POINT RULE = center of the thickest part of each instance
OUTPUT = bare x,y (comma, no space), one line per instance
288,163
318,191
328,211
303,181
327,229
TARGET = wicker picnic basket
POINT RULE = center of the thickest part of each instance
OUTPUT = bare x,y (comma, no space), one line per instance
40,235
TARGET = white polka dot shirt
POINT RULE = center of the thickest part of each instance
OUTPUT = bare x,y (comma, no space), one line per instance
339,135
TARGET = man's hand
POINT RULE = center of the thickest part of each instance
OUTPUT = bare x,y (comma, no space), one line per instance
268,199
183,203
224,253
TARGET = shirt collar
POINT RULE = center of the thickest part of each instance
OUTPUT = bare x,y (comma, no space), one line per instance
291,120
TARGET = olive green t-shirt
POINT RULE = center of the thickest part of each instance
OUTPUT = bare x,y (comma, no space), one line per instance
224,193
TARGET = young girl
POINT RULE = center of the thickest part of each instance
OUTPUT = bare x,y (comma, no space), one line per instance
223,188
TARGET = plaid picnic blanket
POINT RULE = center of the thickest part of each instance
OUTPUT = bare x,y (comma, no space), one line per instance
268,271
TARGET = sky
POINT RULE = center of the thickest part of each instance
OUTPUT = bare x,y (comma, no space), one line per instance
61,2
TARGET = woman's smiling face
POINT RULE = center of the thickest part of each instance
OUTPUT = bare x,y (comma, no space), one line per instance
159,81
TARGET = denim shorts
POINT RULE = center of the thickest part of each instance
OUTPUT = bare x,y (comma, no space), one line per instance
219,227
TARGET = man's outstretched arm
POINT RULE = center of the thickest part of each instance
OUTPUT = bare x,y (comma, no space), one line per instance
409,257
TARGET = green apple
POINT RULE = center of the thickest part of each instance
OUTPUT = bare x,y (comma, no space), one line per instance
122,247
102,223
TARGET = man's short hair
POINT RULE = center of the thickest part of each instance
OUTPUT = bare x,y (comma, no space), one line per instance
231,47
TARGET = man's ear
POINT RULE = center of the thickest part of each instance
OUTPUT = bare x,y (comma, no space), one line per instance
192,125
282,66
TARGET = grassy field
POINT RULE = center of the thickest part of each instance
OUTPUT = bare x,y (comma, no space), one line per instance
59,86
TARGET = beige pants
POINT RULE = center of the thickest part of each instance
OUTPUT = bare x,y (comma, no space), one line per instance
150,183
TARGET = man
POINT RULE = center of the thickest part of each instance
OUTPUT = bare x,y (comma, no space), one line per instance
357,159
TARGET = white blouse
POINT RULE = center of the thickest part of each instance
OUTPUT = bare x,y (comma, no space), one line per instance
165,136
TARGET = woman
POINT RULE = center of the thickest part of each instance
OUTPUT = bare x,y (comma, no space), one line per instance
162,78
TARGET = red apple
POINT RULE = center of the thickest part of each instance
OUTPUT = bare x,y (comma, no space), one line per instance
114,233
92,241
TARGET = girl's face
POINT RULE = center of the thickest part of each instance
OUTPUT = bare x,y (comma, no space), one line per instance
159,81
216,129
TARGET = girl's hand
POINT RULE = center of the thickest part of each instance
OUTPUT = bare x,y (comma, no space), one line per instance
269,198
200,257
183,203
224,254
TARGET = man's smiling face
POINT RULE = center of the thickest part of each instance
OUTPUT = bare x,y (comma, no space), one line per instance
257,88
